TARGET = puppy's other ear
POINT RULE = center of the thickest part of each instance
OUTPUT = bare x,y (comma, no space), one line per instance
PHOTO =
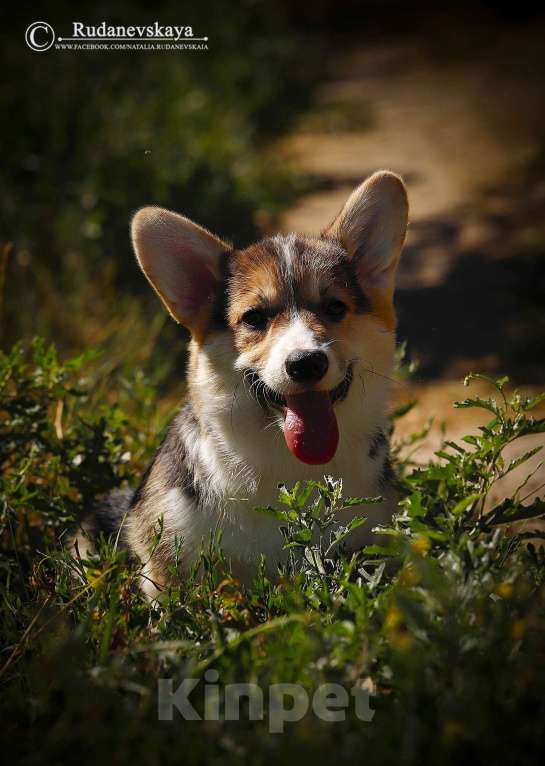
371,227
181,261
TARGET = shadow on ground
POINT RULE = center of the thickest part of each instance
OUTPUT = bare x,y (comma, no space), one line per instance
472,288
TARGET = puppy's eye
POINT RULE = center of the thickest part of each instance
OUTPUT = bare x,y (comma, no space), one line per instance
335,309
255,318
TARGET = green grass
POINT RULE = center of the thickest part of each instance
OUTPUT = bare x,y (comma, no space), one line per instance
446,622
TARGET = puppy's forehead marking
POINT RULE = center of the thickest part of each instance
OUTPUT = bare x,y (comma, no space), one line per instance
307,265
287,250
289,273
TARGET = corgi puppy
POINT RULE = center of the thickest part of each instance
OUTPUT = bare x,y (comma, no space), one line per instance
292,344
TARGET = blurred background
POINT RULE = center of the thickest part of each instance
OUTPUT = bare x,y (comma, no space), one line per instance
270,129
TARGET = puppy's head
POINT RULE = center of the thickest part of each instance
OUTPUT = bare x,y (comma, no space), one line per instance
298,317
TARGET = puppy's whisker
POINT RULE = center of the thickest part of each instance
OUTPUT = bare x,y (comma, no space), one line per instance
386,377
362,383
234,397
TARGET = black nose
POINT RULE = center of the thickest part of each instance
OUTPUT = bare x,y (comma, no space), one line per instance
307,366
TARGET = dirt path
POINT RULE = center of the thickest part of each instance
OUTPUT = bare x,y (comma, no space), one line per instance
463,132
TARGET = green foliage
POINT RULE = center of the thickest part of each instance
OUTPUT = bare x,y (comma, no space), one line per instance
58,451
444,618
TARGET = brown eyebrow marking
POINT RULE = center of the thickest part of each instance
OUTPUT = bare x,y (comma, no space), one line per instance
283,274
295,272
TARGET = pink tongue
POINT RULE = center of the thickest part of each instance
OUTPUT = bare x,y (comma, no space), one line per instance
310,427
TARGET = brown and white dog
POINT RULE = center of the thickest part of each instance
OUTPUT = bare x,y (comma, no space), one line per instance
292,343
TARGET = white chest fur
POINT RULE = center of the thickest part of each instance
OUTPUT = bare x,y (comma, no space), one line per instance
239,462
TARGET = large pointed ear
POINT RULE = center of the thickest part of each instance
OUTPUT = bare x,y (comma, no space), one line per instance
181,260
371,227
